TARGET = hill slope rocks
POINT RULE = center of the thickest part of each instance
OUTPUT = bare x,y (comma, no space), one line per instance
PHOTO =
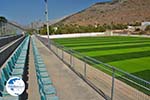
116,12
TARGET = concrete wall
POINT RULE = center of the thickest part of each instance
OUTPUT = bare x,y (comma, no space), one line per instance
6,40
74,35
4,54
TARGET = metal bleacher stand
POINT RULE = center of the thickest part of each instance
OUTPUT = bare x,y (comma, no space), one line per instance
14,67
46,89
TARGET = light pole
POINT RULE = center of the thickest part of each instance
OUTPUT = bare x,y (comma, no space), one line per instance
46,15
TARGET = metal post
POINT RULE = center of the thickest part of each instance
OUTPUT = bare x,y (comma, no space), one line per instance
62,54
46,15
57,51
84,69
71,60
113,80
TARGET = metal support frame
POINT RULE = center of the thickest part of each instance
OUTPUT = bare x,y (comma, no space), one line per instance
71,60
62,56
85,69
113,83
47,22
57,51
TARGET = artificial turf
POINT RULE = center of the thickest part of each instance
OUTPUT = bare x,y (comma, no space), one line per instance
130,54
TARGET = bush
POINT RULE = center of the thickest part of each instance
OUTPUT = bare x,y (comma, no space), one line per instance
43,30
119,26
147,28
141,33
137,29
135,24
73,28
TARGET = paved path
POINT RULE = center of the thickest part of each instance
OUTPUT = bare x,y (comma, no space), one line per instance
33,89
68,85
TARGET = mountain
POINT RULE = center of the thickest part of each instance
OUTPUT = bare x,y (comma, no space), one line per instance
116,12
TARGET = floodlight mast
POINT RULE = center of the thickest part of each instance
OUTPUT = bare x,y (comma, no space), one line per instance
47,21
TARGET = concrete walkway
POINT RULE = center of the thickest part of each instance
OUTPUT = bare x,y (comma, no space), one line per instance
33,89
68,85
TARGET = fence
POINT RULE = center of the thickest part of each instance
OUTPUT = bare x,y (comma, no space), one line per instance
110,82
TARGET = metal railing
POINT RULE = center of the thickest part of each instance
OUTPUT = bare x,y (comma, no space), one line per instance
112,83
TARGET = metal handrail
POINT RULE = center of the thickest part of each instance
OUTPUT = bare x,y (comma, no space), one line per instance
94,61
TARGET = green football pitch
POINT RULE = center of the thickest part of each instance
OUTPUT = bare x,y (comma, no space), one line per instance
130,54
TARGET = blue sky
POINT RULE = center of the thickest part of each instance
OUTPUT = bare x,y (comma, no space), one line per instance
27,11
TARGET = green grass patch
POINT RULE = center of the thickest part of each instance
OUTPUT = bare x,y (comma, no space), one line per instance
130,54
125,53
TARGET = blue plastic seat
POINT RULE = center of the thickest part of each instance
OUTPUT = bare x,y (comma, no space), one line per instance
9,97
42,69
49,97
39,62
11,65
43,74
46,81
40,65
3,81
19,66
48,89
8,69
5,74
17,72
42,95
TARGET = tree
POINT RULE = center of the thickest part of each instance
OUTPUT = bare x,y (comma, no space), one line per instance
3,22
3,19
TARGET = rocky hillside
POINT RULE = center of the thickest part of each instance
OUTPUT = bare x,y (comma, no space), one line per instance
116,12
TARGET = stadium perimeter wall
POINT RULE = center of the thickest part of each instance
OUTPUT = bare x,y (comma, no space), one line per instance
74,35
91,35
